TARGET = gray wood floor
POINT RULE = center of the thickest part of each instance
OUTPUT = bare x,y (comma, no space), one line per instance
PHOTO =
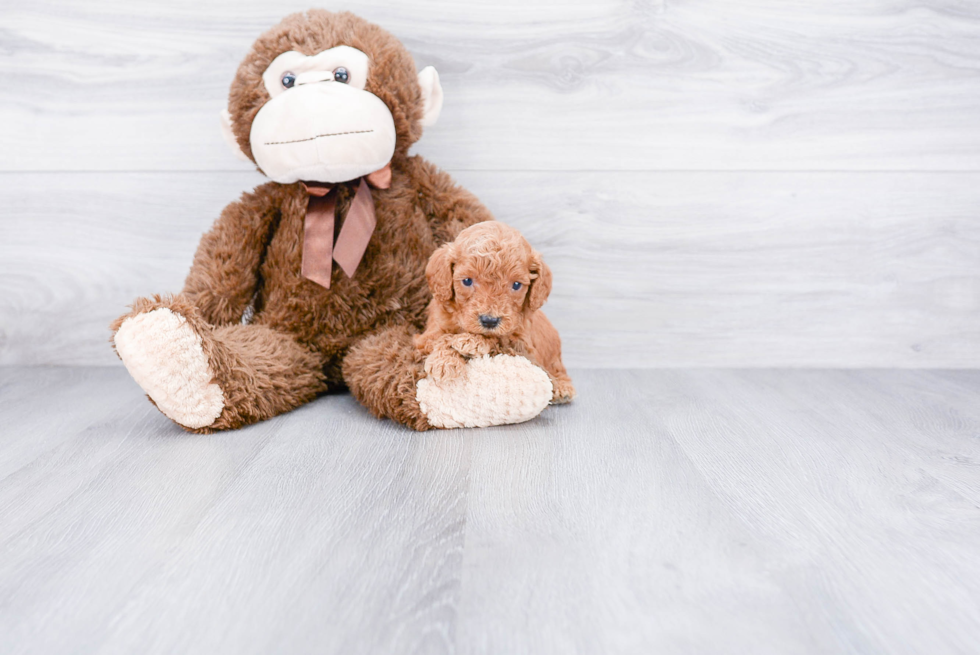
665,511
730,269
755,184
549,85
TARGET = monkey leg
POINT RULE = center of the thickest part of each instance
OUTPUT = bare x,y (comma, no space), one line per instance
207,378
381,371
386,374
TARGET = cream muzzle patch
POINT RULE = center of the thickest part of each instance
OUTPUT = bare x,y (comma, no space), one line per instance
321,125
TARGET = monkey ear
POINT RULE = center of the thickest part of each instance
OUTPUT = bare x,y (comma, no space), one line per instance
229,136
431,96
439,272
540,282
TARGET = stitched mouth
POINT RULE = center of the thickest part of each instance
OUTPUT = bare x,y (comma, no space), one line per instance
318,136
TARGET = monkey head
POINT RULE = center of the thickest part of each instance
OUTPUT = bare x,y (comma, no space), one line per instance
328,97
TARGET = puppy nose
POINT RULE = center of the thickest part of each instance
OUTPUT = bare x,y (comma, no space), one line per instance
489,322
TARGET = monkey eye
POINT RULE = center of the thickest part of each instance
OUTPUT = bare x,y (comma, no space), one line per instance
516,286
288,80
341,75
467,281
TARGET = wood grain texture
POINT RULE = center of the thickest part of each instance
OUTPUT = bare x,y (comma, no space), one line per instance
669,511
337,534
651,269
553,85
682,165
725,511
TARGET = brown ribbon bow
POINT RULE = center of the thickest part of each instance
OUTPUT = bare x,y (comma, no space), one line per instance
319,249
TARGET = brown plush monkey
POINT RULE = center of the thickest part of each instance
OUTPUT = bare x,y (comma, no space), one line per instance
327,261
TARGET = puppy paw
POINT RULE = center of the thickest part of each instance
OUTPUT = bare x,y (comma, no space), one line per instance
563,391
444,366
471,345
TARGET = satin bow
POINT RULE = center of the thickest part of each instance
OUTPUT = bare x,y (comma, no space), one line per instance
319,249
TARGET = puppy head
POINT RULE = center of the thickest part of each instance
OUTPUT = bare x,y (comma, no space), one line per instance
489,279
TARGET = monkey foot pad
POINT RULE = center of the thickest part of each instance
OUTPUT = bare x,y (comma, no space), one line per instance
494,391
165,357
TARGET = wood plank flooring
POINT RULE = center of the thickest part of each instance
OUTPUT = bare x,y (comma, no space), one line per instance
650,269
546,85
664,511
766,183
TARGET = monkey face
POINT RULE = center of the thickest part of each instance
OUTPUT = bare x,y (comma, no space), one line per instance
328,97
321,125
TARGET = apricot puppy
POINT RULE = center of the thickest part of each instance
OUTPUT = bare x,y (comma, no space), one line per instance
488,287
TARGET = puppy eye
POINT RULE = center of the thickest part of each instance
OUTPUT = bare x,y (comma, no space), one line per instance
516,286
288,80
341,75
467,281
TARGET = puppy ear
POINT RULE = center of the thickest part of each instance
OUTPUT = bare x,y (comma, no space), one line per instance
540,282
439,272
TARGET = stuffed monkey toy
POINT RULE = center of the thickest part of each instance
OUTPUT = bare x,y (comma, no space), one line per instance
315,281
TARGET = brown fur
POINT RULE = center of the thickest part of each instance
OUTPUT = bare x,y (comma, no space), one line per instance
302,335
493,257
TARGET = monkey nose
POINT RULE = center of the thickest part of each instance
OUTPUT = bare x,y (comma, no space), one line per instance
489,322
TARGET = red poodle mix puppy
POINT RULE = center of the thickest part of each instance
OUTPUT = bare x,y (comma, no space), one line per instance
487,290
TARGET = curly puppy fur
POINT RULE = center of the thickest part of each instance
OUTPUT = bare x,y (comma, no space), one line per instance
488,287
305,339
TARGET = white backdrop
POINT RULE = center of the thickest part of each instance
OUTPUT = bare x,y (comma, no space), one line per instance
761,183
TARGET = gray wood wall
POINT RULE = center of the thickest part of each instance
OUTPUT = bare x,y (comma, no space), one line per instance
760,183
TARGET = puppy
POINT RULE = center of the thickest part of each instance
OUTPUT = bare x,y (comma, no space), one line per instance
487,289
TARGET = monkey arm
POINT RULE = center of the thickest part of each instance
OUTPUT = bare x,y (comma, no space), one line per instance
225,273
449,207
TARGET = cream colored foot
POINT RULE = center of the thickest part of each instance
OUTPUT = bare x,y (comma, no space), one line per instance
164,356
492,391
